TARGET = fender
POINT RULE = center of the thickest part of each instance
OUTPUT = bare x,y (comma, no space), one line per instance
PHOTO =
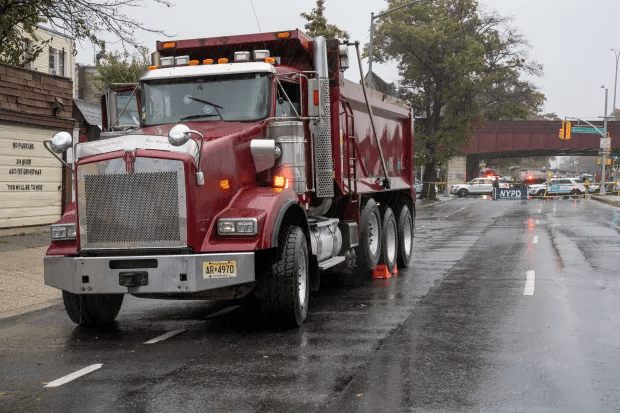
267,205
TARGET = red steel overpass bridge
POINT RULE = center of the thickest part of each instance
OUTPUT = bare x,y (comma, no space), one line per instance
513,139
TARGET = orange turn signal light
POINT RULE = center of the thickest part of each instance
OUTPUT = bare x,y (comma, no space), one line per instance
169,45
279,181
152,68
222,60
224,184
284,35
271,60
193,63
316,98
207,62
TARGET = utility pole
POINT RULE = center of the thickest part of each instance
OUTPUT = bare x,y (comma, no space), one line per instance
603,189
372,30
615,82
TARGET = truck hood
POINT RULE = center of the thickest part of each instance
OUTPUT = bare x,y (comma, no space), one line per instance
210,130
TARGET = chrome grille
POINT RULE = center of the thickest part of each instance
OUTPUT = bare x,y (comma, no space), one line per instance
141,209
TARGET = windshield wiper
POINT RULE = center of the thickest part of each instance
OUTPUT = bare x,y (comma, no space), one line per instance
217,107
199,116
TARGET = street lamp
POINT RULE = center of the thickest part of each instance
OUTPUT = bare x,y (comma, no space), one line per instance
372,25
602,189
615,81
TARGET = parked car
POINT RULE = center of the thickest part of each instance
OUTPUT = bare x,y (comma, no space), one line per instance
476,186
594,188
418,187
558,186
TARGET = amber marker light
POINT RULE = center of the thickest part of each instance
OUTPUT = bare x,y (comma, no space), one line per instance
279,181
271,60
284,35
224,184
316,98
222,60
169,45
153,67
207,62
193,63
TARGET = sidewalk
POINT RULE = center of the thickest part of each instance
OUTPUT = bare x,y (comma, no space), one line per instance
21,271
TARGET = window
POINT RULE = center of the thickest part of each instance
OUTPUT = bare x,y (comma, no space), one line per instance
26,53
60,70
52,61
57,62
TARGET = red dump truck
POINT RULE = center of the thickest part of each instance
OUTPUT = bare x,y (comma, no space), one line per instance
243,165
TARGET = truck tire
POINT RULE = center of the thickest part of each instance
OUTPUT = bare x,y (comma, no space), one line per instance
389,240
463,193
90,310
405,237
369,248
284,288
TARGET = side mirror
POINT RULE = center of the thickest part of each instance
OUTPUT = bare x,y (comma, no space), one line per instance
61,142
178,135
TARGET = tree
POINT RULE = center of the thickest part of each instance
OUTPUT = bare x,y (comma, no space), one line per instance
121,67
460,66
81,19
317,24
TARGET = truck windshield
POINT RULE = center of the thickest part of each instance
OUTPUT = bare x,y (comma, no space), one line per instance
228,97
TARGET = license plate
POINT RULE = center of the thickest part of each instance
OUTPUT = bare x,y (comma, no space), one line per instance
219,269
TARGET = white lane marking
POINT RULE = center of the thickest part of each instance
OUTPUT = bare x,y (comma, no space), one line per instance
165,336
535,241
434,222
73,376
529,283
224,311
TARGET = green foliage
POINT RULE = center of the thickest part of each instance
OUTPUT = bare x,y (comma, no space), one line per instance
460,67
83,20
317,24
18,21
117,67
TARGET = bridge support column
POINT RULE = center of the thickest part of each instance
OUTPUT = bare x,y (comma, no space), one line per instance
456,171
473,167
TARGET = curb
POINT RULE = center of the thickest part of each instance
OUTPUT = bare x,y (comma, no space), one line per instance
609,201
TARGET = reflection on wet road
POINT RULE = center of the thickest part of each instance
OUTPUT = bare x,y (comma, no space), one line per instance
456,331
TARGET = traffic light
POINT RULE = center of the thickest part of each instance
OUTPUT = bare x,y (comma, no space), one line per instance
567,135
562,131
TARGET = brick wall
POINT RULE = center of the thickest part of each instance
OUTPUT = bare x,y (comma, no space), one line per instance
31,92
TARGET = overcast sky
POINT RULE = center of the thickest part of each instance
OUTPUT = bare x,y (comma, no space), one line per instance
570,38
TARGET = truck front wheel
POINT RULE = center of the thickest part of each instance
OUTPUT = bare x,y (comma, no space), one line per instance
88,310
284,288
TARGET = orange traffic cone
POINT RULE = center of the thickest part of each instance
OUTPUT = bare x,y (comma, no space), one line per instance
381,271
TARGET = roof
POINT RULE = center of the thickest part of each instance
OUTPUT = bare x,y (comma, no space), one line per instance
90,111
207,70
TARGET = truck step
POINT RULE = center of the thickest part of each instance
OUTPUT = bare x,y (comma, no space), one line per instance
330,262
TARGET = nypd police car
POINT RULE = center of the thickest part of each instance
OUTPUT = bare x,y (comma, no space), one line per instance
558,186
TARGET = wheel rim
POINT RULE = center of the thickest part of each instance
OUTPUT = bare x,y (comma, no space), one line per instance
373,234
391,241
407,236
302,278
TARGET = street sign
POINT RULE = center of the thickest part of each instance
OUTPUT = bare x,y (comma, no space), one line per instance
605,143
578,129
511,193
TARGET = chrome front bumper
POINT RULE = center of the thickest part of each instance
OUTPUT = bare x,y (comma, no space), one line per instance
165,274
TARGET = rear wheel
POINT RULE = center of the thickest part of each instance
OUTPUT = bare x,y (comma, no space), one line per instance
370,236
389,240
405,236
88,310
284,289
463,193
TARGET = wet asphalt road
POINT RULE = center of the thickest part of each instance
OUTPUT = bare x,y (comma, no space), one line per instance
454,332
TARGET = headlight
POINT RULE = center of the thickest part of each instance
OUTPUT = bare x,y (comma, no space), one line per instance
237,226
63,231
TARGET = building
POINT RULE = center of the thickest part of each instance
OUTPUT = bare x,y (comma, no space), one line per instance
34,105
57,59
